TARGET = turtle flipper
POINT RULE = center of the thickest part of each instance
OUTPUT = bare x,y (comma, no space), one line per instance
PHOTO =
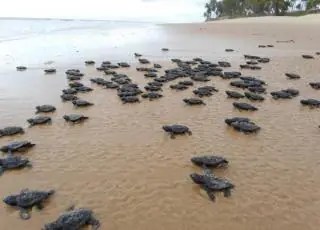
71,207
24,214
39,206
172,136
211,195
189,132
227,192
94,223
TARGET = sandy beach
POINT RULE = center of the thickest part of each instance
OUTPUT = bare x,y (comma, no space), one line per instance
123,166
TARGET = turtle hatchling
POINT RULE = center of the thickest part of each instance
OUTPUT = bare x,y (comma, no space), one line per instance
39,120
17,146
212,184
174,130
45,109
27,199
151,95
193,101
68,97
75,118
74,219
11,130
244,106
13,162
81,103
210,161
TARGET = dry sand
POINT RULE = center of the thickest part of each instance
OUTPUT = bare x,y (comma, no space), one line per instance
308,19
120,163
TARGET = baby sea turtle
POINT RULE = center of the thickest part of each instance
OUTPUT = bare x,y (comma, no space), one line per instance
83,89
292,92
194,101
81,103
27,199
68,97
264,60
257,89
39,120
311,102
280,94
124,64
45,109
21,68
253,96
165,49
151,75
144,61
17,146
317,53
130,99
110,72
202,93
75,84
74,219
229,50
229,121
11,130
73,78
13,162
212,184
201,78
157,66
230,75
292,76
307,56
111,86
315,85
75,118
176,130
186,82
48,71
89,62
242,124
244,106
234,94
69,91
152,88
152,95
252,63
154,83
210,161
224,64
245,127
137,55
179,87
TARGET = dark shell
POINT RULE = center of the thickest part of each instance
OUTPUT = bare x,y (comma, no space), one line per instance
11,130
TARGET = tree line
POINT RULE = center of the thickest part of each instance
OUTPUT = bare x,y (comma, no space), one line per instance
238,8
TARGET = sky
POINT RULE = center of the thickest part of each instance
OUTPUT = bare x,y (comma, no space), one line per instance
136,10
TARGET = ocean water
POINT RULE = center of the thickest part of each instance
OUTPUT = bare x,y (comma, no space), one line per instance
31,42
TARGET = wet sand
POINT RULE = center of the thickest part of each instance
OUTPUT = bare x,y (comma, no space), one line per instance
123,166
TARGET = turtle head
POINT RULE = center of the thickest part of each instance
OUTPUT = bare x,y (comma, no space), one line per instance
166,128
197,178
66,117
10,200
30,120
186,100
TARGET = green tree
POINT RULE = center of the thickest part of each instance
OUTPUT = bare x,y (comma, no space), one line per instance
312,4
